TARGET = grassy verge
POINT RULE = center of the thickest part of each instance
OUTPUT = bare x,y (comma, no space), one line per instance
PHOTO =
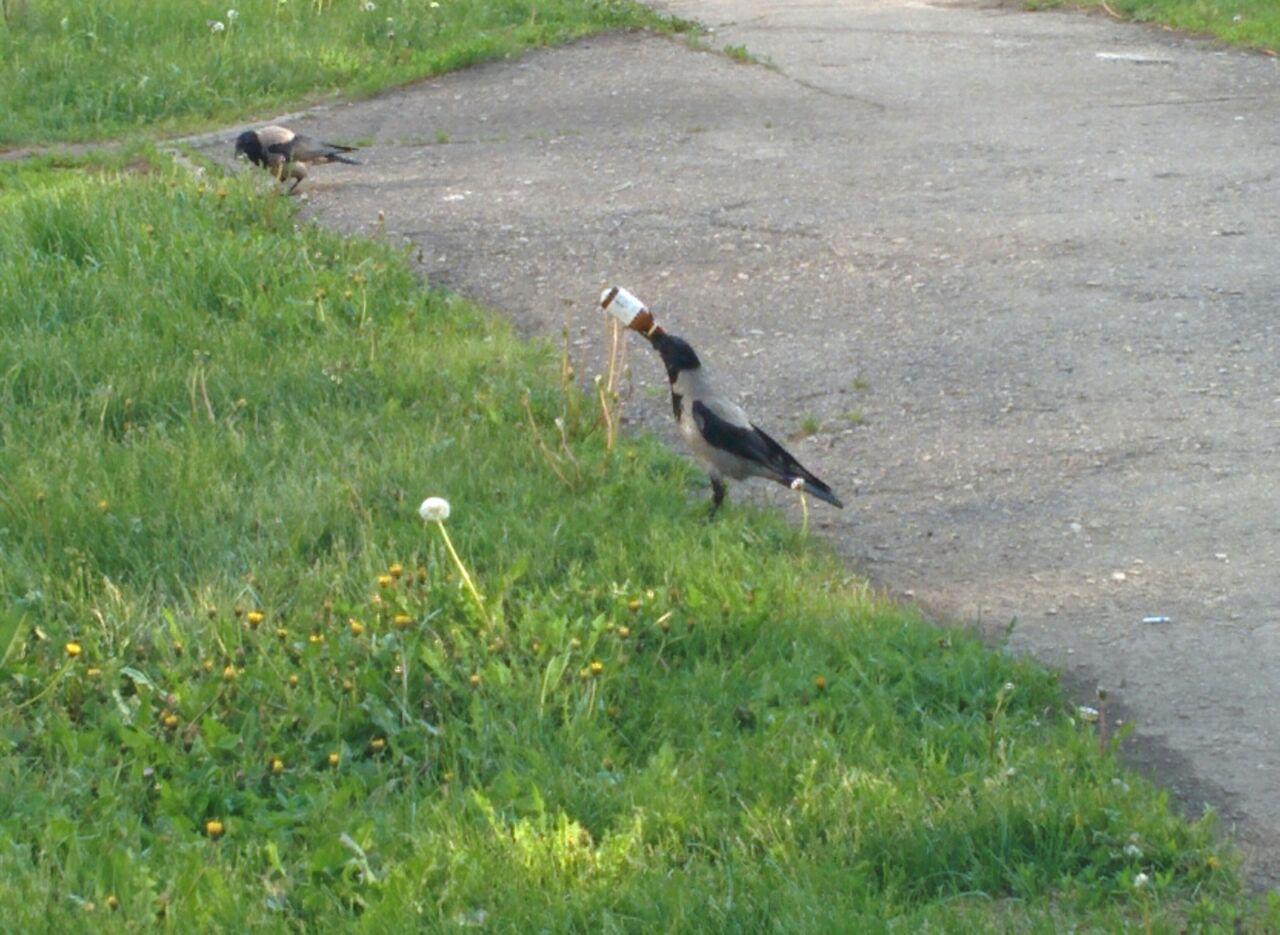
242,684
84,70
1253,23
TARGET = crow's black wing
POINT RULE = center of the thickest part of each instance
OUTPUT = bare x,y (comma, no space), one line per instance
746,442
304,149
753,444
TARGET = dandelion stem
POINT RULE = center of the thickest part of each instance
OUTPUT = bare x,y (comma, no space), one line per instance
615,333
804,510
547,453
606,415
466,577
53,683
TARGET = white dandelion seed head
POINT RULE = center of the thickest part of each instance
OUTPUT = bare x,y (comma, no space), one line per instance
369,6
434,5
434,509
217,26
1140,881
1008,687
232,15
798,484
1132,850
65,22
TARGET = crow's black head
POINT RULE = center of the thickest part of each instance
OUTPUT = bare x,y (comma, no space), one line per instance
677,355
248,144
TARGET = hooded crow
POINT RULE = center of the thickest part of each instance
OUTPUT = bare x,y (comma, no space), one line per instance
719,433
285,154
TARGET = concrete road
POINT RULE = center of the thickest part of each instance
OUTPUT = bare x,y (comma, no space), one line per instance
1021,270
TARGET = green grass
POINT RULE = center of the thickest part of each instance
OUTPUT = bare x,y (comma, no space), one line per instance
809,425
1253,23
86,69
211,413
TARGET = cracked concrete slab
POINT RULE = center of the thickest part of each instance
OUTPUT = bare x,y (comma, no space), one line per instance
1020,269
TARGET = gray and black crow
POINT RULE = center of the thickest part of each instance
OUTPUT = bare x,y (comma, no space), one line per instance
285,154
718,431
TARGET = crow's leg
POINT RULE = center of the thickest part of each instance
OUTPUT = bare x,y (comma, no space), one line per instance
718,490
298,172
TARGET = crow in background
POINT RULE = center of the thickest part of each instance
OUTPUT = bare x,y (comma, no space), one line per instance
285,154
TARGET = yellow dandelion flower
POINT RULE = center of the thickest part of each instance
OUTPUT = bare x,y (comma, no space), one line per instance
282,633
315,639
293,681
214,828
229,674
334,758
277,765
633,605
103,506
113,903
170,721
395,570
475,679
73,650
93,672
402,621
385,581
624,632
596,667
575,643
207,665
820,683
254,618
377,743
357,628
